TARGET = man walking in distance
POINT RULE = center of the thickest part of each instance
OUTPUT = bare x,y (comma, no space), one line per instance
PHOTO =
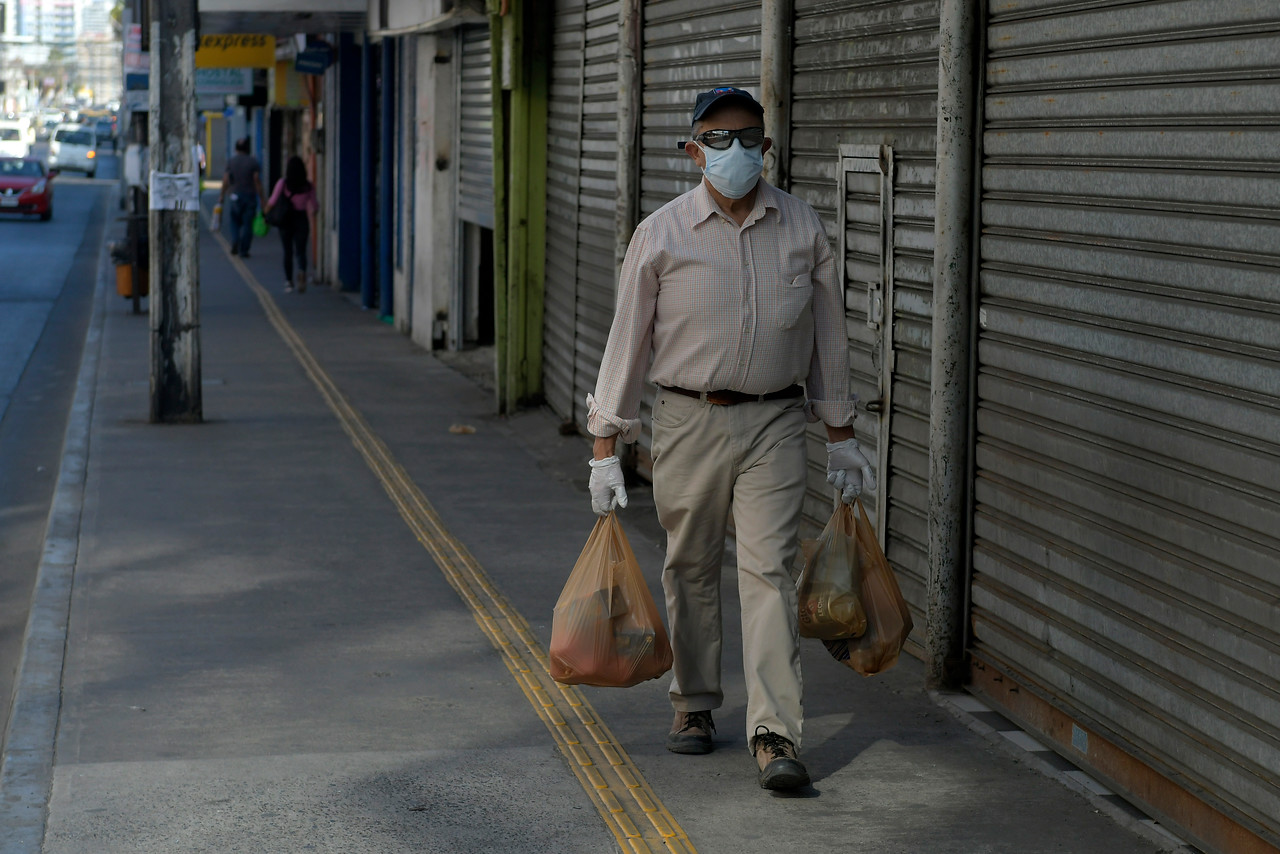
242,181
731,290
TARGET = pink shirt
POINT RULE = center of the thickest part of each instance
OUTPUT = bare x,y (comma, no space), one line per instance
752,308
301,201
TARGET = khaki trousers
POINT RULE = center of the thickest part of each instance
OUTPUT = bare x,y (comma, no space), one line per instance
750,458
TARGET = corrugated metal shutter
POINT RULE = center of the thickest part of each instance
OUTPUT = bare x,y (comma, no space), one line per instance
475,128
581,201
597,198
689,46
1127,514
866,75
864,239
564,168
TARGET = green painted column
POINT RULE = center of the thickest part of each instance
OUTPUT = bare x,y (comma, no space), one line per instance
521,90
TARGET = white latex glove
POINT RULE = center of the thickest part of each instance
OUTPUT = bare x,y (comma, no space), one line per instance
848,469
608,487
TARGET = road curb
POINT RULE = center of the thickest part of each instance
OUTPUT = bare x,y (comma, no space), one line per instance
26,765
1019,745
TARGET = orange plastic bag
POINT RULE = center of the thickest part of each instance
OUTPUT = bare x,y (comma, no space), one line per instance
888,619
606,630
829,589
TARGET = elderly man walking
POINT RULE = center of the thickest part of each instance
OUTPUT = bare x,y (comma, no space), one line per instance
729,297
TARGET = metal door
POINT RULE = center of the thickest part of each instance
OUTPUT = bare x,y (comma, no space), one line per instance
864,234
564,173
475,128
581,201
862,149
689,46
1127,518
597,197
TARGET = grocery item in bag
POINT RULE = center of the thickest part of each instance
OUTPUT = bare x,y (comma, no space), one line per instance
606,630
888,619
829,589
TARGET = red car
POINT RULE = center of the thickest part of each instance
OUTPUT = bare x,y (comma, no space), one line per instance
26,187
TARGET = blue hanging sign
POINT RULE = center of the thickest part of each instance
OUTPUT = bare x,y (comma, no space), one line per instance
314,59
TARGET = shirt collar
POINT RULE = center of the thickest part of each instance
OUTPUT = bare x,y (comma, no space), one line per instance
705,207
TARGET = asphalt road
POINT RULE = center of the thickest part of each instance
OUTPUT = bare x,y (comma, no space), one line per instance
47,273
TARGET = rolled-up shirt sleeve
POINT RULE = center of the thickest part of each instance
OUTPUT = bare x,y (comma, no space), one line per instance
827,385
614,408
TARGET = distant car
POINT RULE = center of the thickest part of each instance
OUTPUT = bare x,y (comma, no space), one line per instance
74,147
46,127
104,133
26,187
13,139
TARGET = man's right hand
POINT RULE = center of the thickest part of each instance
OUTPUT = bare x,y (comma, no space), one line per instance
608,487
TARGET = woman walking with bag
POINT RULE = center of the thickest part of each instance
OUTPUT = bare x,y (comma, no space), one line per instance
289,209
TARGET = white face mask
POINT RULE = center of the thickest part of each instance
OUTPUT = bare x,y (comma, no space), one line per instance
734,171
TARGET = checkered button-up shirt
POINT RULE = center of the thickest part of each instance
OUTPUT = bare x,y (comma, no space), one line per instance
752,308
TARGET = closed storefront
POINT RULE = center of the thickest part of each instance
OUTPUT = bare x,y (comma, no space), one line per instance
861,139
473,301
688,46
581,201
1126,511
475,128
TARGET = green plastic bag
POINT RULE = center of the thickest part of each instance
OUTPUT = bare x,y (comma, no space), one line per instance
260,224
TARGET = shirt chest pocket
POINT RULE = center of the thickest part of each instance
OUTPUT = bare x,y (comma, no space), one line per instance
794,302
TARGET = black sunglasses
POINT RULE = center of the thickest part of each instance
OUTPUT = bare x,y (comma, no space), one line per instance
722,140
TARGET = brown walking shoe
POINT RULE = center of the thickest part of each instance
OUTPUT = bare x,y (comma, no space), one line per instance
779,768
691,733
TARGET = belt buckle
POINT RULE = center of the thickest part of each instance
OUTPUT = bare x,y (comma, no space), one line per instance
718,398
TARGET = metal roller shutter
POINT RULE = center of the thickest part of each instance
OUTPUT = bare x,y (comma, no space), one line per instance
689,46
863,129
1128,449
597,197
581,201
564,166
475,128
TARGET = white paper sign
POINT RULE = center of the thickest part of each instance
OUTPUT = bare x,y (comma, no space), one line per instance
175,191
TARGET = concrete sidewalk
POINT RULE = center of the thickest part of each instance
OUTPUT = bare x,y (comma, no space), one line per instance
261,655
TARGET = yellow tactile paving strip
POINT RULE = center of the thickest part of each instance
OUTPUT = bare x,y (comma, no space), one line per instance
629,807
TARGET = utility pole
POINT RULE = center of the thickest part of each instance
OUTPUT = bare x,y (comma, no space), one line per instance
174,216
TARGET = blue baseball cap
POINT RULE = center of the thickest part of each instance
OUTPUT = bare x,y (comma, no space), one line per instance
707,99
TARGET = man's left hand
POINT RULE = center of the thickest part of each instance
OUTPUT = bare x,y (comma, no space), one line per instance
849,470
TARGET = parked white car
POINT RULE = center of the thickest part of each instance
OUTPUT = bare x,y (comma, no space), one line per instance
14,140
74,147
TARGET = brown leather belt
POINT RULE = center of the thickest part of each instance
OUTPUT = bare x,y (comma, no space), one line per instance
727,397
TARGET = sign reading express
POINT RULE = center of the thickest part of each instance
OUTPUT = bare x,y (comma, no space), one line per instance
236,50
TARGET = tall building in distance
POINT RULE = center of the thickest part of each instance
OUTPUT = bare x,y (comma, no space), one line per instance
95,18
55,23
54,50
98,52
